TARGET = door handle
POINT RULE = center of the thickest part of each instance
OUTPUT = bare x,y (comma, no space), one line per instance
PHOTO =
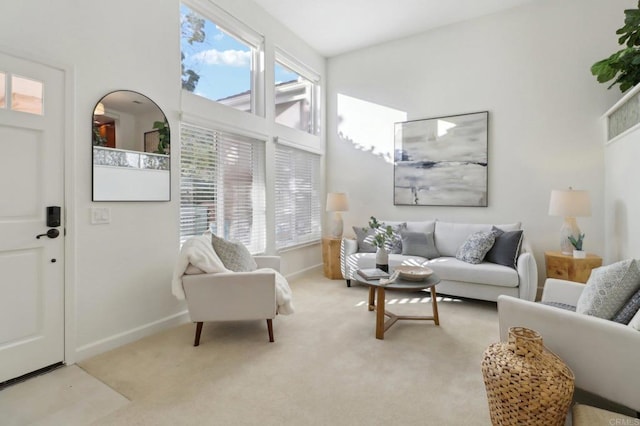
51,233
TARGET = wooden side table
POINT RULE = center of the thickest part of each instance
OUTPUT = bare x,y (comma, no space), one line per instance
567,267
331,258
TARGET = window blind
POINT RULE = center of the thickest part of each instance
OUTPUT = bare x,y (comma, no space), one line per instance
297,197
222,186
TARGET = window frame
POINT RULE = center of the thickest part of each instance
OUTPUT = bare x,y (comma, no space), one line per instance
316,187
287,60
235,28
223,135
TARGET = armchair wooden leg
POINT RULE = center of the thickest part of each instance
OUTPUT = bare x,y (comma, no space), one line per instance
270,328
348,283
198,331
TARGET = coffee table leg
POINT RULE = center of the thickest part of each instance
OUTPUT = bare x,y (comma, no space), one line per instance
434,304
380,314
372,302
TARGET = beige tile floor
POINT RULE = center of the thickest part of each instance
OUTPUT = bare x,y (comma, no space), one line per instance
66,396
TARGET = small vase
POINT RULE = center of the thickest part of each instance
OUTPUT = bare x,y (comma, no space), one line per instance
579,254
526,383
382,259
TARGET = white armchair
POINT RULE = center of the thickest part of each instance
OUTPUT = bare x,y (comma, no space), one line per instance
603,354
233,296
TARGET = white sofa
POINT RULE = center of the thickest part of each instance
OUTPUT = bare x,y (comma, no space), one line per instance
484,281
602,354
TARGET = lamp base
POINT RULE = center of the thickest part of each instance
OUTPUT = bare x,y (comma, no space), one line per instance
335,225
569,228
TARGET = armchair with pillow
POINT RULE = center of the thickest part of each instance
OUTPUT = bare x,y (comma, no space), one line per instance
221,281
594,328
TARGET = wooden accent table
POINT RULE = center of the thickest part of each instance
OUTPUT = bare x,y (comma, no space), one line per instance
399,284
331,257
567,267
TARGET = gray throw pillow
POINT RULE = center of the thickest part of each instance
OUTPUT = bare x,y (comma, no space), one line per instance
506,248
629,309
234,255
608,289
364,235
419,244
475,248
395,246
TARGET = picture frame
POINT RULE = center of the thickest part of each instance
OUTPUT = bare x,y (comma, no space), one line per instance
151,141
442,161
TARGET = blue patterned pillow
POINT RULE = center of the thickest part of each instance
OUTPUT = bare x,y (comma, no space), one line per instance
608,289
475,248
629,310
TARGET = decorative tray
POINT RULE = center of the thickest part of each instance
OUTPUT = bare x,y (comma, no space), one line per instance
413,273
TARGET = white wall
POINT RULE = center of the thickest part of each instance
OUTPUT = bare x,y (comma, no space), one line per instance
529,67
118,275
622,203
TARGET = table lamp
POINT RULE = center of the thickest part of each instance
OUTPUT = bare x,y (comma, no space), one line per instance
336,203
569,204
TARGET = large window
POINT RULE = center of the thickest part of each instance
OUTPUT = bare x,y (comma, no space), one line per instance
219,58
296,95
222,186
297,197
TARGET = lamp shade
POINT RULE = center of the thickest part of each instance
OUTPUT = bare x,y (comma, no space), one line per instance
569,203
337,202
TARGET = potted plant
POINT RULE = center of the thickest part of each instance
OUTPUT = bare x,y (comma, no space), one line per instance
164,136
578,253
624,65
383,237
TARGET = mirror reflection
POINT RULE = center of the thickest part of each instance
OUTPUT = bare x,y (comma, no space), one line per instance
131,149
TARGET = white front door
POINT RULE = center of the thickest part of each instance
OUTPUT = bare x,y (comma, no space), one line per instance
31,179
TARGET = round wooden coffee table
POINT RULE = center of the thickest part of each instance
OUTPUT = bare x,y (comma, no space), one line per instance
399,284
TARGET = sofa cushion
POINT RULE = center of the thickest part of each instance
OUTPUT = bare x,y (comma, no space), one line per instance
421,226
364,236
475,247
395,246
624,315
234,255
419,244
608,289
451,269
506,248
449,236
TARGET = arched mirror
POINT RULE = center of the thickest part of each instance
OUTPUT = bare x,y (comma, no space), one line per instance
131,149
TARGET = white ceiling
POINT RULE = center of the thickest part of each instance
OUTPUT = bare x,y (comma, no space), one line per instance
333,27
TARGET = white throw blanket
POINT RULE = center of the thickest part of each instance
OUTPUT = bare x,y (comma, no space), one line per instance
198,252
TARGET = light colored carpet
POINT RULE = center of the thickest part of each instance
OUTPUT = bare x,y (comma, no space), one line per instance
325,368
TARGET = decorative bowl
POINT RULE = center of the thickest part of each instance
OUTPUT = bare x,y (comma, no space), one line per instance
413,273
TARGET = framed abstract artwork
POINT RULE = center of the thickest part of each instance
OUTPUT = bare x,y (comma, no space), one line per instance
442,161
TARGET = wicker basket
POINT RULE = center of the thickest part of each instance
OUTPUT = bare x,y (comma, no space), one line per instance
526,383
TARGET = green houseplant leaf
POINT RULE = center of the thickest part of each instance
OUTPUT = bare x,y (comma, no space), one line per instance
623,67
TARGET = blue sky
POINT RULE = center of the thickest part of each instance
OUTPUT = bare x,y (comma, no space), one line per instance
223,63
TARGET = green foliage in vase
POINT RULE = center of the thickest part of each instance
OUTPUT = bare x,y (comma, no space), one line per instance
576,242
624,65
383,235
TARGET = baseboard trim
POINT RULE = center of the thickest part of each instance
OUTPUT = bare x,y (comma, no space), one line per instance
303,271
112,342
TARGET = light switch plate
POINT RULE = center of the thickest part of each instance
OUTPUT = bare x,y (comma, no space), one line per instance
100,215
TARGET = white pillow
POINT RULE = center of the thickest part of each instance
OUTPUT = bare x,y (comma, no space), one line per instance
608,289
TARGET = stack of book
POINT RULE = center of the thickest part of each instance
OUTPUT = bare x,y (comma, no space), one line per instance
372,273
